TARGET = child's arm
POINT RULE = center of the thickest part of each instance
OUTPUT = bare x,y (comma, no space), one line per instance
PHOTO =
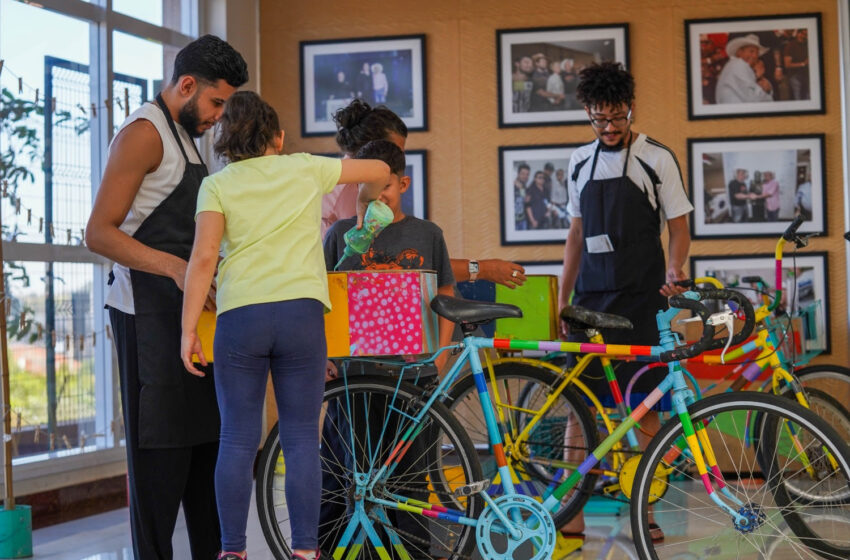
372,174
209,229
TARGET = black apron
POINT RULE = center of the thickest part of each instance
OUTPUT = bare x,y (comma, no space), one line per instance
176,408
625,281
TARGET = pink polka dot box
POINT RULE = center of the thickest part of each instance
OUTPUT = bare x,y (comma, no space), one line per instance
381,313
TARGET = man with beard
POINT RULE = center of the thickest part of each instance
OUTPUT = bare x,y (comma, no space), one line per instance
143,220
624,187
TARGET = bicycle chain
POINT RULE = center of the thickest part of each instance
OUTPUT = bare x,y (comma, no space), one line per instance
426,543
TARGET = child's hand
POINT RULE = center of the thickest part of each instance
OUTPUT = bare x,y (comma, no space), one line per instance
191,344
331,372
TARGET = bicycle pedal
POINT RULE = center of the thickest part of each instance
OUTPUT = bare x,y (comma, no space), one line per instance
470,489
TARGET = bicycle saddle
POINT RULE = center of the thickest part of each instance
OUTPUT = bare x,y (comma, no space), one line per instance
580,318
470,312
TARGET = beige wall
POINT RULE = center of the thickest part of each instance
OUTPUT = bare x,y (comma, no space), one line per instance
464,137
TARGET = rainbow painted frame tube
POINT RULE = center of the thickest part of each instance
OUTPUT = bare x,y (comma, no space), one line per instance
360,527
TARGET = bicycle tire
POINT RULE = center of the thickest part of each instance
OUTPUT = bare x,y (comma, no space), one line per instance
274,516
728,416
464,394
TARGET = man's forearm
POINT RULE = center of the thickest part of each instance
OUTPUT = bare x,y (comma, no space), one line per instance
572,262
117,246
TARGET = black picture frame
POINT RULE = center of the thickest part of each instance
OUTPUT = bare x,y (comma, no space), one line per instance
717,90
554,222
414,202
403,90
798,165
809,289
580,44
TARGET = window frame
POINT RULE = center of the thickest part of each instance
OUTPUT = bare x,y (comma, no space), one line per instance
60,468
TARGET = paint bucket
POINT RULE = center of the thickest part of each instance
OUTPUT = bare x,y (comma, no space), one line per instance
16,532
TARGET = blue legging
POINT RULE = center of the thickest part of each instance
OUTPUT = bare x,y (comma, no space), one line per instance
287,337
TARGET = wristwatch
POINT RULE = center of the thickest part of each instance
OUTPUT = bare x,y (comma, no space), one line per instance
473,270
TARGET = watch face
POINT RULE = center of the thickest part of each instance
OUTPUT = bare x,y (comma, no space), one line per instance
473,267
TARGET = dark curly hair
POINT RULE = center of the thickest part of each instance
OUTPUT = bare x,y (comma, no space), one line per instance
605,83
210,59
359,123
248,127
385,151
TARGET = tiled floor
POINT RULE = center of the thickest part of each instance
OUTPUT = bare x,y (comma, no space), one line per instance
107,537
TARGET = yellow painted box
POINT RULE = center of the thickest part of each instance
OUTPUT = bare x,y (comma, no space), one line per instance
381,313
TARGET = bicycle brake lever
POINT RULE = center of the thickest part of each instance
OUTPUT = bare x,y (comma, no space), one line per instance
727,319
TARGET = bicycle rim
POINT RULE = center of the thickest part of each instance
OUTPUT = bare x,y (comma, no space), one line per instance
694,524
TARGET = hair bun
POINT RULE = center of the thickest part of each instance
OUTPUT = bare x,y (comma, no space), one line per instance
351,115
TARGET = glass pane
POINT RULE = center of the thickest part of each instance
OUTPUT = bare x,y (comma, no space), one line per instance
137,64
52,358
173,14
148,10
45,138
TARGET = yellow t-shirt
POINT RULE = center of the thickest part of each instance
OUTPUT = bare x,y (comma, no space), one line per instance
272,244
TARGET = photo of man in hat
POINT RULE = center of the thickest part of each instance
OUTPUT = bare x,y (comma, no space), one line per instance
742,79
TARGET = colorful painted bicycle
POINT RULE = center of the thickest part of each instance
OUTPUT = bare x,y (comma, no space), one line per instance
437,504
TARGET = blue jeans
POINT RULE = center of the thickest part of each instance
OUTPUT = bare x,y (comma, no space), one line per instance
287,337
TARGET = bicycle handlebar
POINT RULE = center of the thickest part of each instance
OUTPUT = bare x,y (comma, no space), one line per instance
791,232
698,347
743,304
707,340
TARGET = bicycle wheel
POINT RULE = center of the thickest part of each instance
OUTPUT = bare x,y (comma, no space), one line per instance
363,424
694,524
566,430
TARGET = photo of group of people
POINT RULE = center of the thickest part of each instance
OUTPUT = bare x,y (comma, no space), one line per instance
534,194
750,186
539,70
381,72
762,65
340,78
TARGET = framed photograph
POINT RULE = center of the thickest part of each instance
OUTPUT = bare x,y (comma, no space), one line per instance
380,70
805,286
755,186
538,70
754,66
534,194
414,202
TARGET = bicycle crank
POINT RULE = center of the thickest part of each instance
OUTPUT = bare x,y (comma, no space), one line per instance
533,536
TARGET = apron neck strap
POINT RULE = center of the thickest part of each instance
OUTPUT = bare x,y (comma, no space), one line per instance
596,157
170,121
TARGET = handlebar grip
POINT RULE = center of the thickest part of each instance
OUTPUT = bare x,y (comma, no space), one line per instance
686,283
744,304
685,352
792,229
752,280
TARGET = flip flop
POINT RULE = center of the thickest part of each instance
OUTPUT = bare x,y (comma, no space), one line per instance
655,533
568,535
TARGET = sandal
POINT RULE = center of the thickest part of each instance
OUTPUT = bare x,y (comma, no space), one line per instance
568,535
655,533
297,556
231,556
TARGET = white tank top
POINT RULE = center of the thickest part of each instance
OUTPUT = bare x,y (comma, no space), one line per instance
156,186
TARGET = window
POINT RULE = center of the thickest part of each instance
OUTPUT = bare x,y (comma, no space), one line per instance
57,114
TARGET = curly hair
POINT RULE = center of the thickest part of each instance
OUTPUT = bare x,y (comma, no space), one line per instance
359,123
248,127
385,151
605,83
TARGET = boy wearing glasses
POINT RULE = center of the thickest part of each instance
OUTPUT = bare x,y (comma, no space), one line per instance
623,187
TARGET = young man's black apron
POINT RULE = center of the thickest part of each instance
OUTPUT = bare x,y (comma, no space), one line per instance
171,416
622,272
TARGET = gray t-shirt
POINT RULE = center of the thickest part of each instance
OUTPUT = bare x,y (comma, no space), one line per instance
409,244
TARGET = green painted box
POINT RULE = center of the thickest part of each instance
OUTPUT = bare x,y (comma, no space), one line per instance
538,299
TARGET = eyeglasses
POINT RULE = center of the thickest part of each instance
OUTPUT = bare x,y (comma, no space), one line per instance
616,121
